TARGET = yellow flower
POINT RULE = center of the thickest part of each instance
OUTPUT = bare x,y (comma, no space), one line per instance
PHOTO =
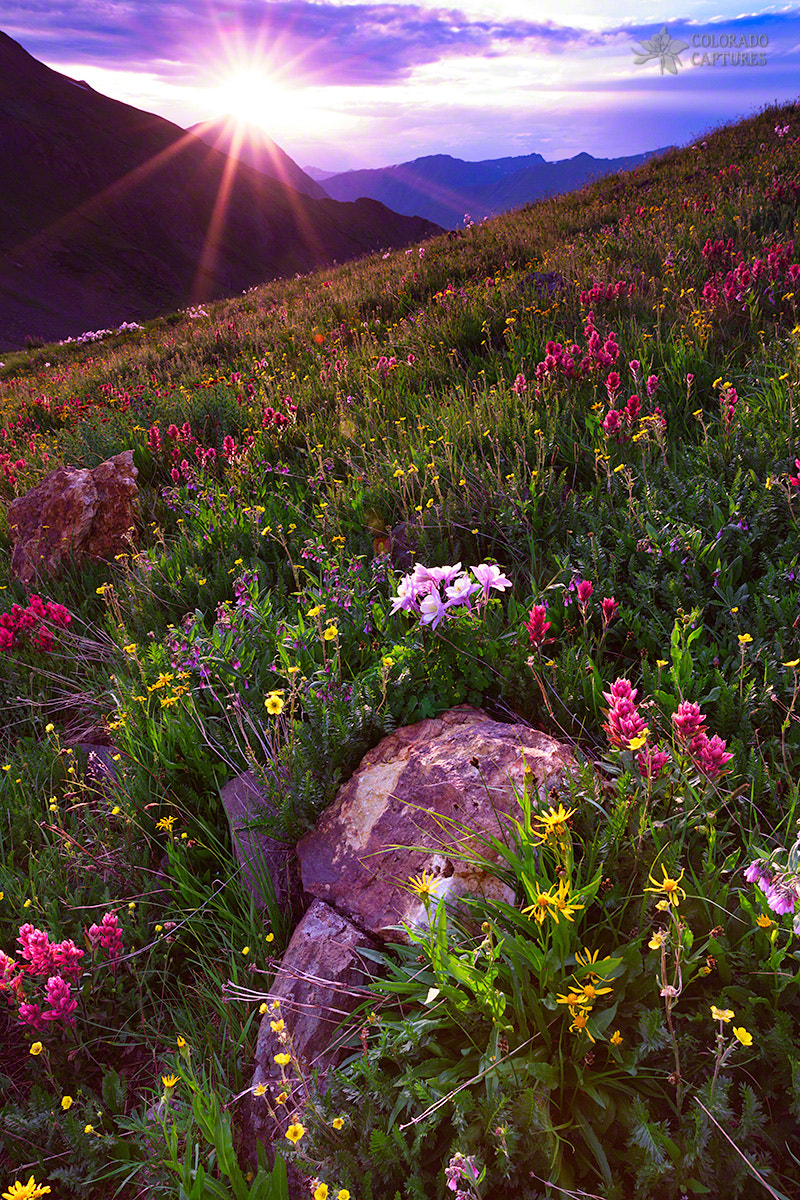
245,949
262,1008
795,662
130,649
314,612
560,903
169,1081
743,1036
88,1129
165,824
636,743
581,1025
283,1059
337,1122
763,921
25,1191
541,905
277,1026
282,1098
295,1132
36,1048
657,940
343,1194
553,822
274,705
661,662
259,1089
387,662
330,633
423,885
321,1192
722,1014
744,638
668,886
66,1102
616,1038
49,728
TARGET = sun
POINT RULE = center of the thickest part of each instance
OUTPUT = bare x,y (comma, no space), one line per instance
253,95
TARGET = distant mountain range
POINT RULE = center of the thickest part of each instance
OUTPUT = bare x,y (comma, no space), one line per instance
110,214
444,189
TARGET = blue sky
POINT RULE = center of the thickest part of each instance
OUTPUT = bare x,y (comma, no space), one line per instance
366,84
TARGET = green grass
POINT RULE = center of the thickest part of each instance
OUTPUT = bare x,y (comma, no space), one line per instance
420,406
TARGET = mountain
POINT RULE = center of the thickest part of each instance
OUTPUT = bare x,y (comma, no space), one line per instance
250,144
444,189
111,214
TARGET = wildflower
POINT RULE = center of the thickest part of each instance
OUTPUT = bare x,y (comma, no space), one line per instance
711,755
580,1024
561,904
657,940
262,1008
245,950
608,608
432,608
88,1129
553,822
744,638
537,626
321,1192
668,886
36,1049
277,1026
763,921
743,1036
423,885
616,1038
330,633
295,1132
274,704
722,1014
337,1122
490,576
66,1102
283,1059
165,824
585,591
623,722
170,1081
689,722
260,1089
25,1191
343,1194
541,906
282,1097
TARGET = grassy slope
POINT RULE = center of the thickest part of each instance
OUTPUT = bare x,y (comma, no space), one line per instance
402,373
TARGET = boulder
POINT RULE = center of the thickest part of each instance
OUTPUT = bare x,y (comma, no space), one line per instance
74,514
417,802
321,980
269,867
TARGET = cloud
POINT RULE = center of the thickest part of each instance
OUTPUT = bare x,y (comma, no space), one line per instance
344,44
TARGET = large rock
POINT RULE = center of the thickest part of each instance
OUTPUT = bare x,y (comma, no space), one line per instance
321,980
269,867
74,514
422,793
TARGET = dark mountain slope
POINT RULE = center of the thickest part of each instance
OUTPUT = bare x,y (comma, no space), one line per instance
110,214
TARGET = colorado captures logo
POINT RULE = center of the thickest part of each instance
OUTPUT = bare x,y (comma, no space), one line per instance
662,48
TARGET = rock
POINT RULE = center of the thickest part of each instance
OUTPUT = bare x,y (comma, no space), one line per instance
433,786
262,858
74,514
320,982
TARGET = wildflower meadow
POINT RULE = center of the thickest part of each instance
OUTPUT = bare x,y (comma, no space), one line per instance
547,466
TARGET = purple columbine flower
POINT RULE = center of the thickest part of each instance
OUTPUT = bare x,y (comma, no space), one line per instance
490,576
432,609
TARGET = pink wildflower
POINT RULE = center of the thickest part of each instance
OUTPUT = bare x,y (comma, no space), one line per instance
651,762
107,935
710,755
585,591
624,723
689,722
520,385
608,608
537,626
61,1003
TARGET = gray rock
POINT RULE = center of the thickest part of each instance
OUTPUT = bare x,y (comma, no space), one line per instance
267,864
418,802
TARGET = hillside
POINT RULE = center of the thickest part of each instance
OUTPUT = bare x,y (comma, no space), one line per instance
547,468
251,145
112,214
443,189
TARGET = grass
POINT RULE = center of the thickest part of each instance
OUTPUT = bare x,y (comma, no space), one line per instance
299,448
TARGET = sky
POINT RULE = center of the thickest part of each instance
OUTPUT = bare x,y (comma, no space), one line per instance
341,85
